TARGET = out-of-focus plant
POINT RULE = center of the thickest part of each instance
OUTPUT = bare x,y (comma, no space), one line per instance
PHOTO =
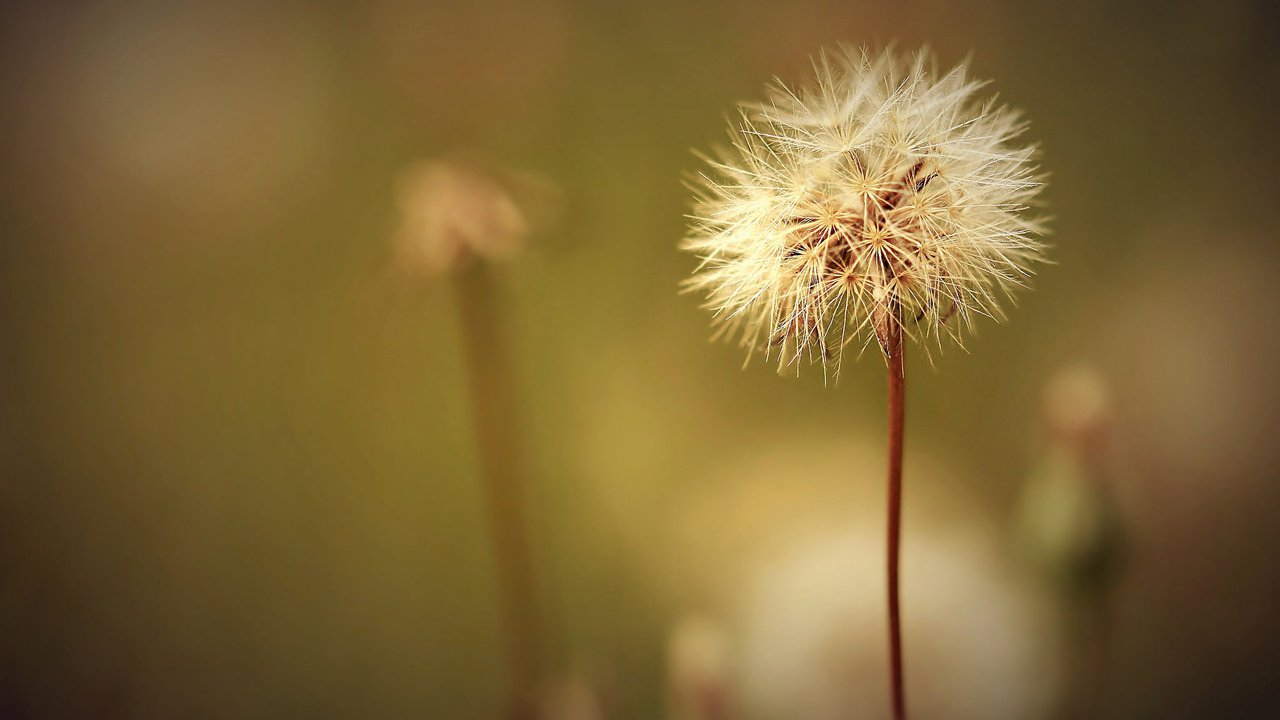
1071,527
456,218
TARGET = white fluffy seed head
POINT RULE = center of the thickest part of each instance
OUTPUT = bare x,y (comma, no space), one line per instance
882,194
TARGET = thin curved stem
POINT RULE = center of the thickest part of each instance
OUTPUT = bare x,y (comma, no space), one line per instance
489,380
897,380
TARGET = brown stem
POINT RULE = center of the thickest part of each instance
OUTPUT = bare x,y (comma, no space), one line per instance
897,381
489,383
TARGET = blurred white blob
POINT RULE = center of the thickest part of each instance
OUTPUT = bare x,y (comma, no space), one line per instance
697,670
453,211
815,641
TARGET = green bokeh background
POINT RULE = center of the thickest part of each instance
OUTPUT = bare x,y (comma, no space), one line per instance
236,474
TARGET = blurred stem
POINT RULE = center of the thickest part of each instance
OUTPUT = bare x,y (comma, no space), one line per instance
493,417
1094,639
1088,627
897,381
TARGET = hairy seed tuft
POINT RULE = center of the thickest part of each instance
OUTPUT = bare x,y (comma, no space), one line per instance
882,192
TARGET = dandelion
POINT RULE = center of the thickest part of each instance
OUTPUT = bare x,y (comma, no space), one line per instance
1072,528
452,212
456,219
884,191
883,200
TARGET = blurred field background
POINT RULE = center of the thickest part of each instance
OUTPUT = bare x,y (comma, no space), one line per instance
236,471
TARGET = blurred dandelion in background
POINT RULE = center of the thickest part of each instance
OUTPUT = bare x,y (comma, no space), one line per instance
1068,516
454,212
1071,529
455,220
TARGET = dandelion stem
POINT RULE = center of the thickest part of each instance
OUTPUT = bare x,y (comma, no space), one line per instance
489,380
897,380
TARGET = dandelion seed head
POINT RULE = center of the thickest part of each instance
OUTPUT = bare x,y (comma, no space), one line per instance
882,195
455,211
